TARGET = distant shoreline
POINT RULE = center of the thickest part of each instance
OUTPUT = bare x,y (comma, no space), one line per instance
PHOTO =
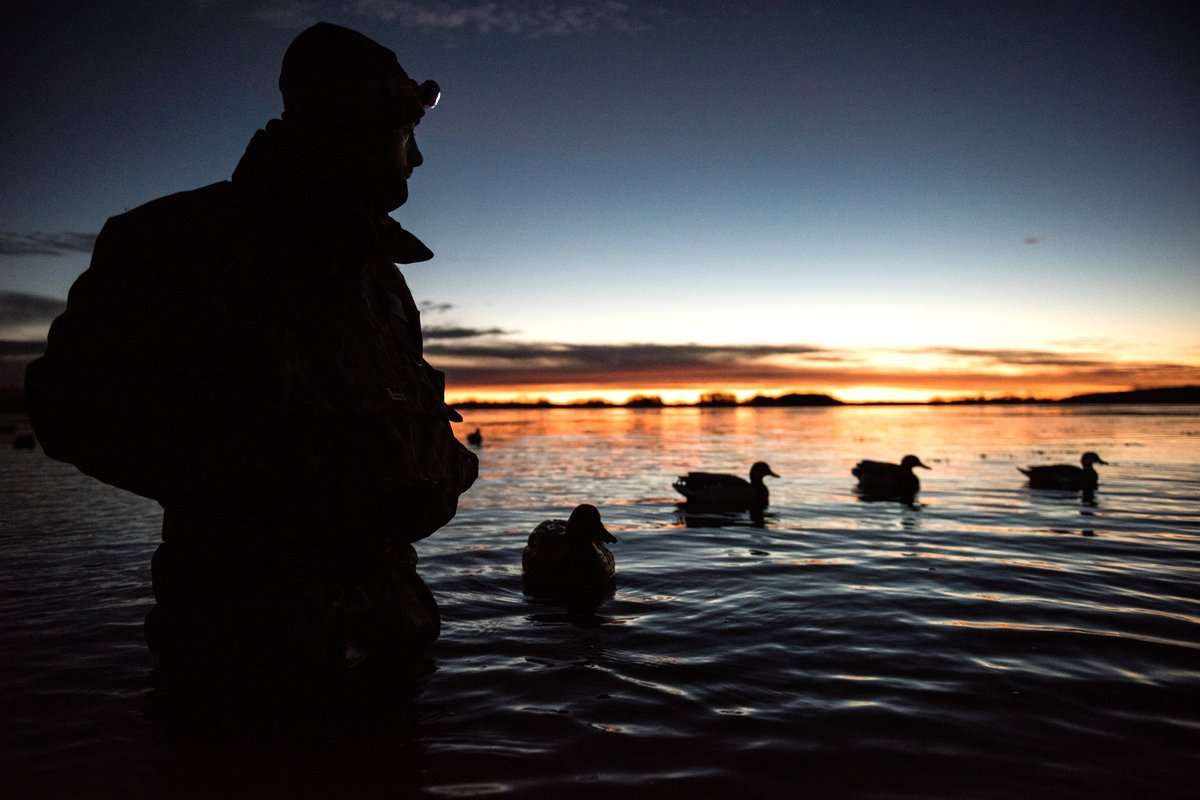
1162,396
12,401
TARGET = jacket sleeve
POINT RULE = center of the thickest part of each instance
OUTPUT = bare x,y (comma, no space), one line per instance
86,393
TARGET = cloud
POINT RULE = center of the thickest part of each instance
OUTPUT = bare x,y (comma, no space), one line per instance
1033,240
19,308
24,321
533,366
432,307
510,363
1021,358
288,14
636,354
472,363
1086,343
521,17
45,244
20,348
450,332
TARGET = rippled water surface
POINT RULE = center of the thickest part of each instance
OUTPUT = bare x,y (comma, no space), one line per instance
990,641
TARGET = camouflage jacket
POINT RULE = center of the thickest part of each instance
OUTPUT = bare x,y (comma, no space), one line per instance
249,351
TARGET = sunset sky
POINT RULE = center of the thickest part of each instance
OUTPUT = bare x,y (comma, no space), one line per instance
876,200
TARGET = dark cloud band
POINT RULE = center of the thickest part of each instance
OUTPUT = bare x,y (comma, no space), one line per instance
19,348
1021,358
515,365
449,332
519,17
20,308
540,365
45,244
618,355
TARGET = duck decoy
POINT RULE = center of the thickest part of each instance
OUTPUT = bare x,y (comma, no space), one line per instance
888,481
1066,476
569,556
712,490
475,437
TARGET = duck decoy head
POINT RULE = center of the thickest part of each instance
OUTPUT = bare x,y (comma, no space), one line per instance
909,462
1090,458
585,523
760,470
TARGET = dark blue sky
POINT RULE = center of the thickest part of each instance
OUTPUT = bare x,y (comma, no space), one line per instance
875,178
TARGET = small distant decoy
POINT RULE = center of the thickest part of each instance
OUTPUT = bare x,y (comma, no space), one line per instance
888,481
569,556
712,490
24,441
1066,476
475,437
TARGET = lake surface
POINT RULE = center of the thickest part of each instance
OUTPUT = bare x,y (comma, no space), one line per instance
990,641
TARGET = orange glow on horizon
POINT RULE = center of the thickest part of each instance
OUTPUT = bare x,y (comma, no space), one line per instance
845,393
567,373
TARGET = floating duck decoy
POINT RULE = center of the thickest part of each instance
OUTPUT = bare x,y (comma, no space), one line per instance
569,556
1066,476
475,437
712,490
888,481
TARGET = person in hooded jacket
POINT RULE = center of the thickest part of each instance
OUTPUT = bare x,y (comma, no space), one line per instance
249,355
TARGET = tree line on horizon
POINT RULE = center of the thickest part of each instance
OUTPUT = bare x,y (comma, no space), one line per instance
1173,394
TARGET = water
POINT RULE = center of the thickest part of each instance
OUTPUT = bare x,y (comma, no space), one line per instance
990,641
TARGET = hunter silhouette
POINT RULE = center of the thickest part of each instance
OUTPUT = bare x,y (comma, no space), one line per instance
249,355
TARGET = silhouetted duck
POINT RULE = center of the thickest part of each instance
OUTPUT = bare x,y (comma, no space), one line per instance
712,490
570,556
884,480
475,437
1066,476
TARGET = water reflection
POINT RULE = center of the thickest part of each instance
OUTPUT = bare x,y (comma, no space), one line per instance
887,640
577,607
706,518
580,617
910,518
1072,532
1063,497
908,501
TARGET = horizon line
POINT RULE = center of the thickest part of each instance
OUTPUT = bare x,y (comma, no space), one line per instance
1156,395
